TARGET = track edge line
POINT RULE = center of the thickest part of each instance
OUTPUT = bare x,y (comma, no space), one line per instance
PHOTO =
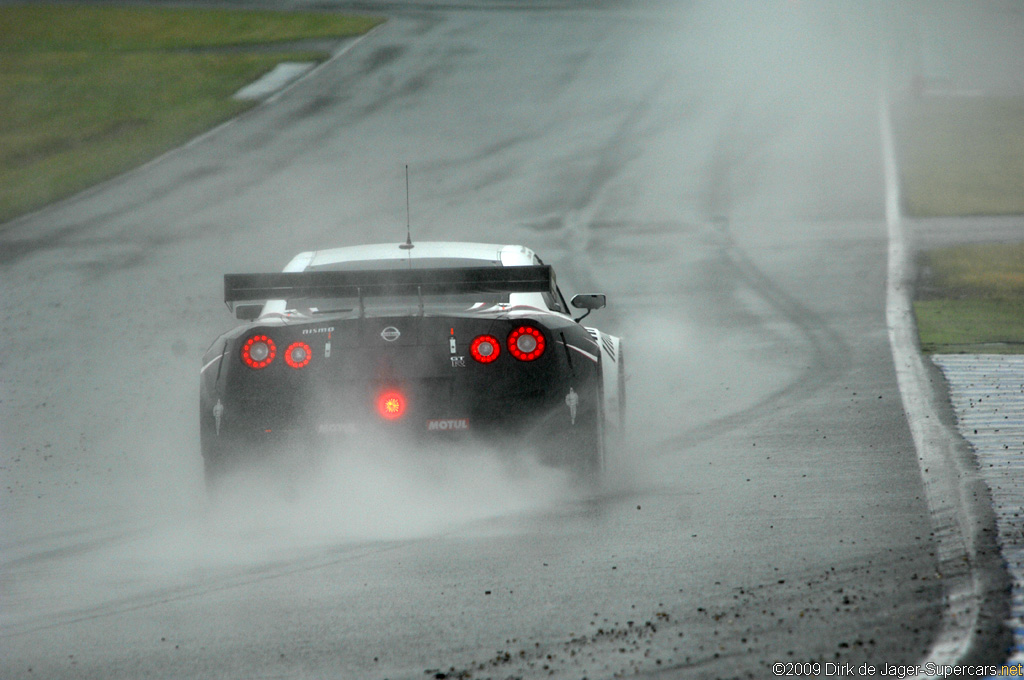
974,577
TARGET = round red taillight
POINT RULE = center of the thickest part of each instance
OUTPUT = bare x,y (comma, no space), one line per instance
258,351
526,343
298,355
391,405
485,348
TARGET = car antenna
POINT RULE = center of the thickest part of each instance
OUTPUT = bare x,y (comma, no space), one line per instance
408,233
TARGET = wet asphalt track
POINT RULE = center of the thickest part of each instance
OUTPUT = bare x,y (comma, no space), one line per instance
713,168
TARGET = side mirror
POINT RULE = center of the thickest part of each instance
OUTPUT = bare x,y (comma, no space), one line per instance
248,311
589,302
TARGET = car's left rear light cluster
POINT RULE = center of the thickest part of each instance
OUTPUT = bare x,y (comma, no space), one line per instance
259,351
525,343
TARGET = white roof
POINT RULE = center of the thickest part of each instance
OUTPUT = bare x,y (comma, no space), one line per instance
508,255
487,253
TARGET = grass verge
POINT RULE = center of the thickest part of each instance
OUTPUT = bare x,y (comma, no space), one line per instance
970,299
961,156
88,92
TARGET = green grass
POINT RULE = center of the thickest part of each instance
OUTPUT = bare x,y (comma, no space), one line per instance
961,156
971,326
38,27
978,271
965,157
970,299
89,92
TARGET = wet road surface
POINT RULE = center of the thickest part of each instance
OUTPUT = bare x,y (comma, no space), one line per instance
713,168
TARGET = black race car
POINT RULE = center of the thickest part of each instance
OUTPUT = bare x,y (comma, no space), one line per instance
420,342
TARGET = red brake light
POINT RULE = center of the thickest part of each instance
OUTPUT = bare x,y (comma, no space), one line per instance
526,343
391,405
298,354
258,351
485,348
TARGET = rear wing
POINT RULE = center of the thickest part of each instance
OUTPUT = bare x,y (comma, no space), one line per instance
386,282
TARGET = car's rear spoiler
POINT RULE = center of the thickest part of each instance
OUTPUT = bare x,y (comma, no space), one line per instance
378,282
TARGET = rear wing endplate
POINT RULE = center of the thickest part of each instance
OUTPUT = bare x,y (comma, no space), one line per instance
381,282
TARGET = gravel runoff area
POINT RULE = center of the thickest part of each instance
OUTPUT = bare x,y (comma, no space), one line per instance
987,392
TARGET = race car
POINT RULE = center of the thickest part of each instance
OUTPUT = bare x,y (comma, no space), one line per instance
418,343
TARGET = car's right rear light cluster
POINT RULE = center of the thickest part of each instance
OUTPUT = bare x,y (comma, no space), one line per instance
525,343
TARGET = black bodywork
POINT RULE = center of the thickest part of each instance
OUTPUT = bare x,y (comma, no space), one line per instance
552,404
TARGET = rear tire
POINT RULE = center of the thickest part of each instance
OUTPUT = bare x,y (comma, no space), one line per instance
585,450
222,453
219,459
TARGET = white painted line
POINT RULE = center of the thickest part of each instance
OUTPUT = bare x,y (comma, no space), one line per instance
268,101
345,49
942,469
276,79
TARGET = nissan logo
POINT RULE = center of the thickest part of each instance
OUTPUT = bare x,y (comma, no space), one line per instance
390,334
